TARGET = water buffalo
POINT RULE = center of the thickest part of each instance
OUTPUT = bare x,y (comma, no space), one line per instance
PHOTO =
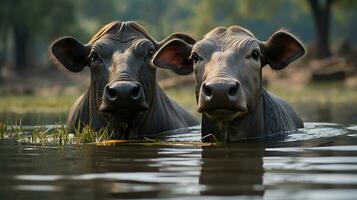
228,64
123,94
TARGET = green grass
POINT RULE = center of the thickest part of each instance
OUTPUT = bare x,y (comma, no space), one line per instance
334,92
57,134
31,103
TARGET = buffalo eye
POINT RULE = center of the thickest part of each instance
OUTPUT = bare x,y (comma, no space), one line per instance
195,57
255,55
93,57
149,55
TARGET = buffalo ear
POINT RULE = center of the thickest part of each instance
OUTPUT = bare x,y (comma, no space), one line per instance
71,53
281,49
182,36
174,55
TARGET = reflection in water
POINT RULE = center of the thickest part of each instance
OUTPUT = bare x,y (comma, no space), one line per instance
113,168
315,168
233,170
318,163
119,172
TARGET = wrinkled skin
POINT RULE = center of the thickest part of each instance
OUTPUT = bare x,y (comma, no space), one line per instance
123,94
228,64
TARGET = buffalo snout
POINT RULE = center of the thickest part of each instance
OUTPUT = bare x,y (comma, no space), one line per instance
222,99
123,96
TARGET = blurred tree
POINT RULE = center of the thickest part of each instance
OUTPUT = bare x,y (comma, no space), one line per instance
345,16
4,20
30,21
321,10
160,17
212,13
205,16
26,26
92,15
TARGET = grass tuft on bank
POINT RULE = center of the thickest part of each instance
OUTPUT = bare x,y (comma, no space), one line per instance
59,135
52,134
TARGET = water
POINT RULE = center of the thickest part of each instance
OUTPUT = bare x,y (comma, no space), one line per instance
318,163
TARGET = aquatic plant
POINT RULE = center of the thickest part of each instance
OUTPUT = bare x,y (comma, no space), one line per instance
52,134
87,134
3,128
58,135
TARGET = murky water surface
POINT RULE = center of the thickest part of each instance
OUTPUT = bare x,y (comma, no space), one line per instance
318,163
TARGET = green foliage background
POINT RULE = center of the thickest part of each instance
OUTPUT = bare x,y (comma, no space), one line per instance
47,19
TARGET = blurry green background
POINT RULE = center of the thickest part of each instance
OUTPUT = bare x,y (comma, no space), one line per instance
324,81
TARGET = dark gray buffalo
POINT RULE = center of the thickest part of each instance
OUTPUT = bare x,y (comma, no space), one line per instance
228,66
123,94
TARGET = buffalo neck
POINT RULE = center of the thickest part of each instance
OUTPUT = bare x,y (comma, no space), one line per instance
163,115
85,110
272,118
246,127
94,95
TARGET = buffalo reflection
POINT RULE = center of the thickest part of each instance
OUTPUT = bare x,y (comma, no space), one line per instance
234,169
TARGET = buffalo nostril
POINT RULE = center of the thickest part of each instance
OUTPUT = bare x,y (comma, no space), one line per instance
233,90
111,93
135,92
206,90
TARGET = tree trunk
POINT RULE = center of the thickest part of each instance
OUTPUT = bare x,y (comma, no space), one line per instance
21,39
321,14
3,49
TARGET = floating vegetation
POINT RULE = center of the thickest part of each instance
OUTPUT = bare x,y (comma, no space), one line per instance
58,134
52,134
